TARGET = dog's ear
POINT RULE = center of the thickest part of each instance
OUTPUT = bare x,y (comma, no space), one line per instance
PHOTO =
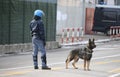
85,49
93,39
89,40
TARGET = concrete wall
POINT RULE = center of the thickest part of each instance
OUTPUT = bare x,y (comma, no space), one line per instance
27,47
69,14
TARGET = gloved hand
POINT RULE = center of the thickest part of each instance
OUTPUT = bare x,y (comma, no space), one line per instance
44,43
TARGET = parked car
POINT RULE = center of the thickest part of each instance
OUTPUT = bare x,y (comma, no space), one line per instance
104,17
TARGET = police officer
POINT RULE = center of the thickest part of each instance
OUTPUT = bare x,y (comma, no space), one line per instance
38,39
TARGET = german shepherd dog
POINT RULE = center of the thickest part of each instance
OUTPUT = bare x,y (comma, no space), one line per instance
84,53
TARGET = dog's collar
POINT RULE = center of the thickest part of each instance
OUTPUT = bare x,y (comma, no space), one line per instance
90,51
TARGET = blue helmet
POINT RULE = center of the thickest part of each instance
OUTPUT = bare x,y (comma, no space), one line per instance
39,13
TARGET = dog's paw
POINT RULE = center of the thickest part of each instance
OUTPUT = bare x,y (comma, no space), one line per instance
76,67
88,70
66,67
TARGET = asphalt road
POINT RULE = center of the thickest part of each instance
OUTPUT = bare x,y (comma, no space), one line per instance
105,63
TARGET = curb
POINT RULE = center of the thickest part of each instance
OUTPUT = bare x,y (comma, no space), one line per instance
85,42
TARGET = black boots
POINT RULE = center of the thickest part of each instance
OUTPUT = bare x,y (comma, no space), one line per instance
35,60
43,58
46,68
44,63
43,68
36,67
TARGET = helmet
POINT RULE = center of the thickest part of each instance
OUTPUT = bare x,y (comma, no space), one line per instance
39,13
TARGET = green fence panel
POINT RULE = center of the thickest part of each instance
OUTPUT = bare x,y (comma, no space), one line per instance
15,16
5,22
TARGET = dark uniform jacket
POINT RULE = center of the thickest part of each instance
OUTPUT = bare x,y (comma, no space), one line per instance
37,29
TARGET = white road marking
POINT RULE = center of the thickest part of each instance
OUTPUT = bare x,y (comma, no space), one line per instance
106,57
15,68
104,48
115,75
57,63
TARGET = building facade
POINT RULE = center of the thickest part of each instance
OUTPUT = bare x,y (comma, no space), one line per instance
72,13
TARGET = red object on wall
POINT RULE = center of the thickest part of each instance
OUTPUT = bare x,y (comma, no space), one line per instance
89,20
